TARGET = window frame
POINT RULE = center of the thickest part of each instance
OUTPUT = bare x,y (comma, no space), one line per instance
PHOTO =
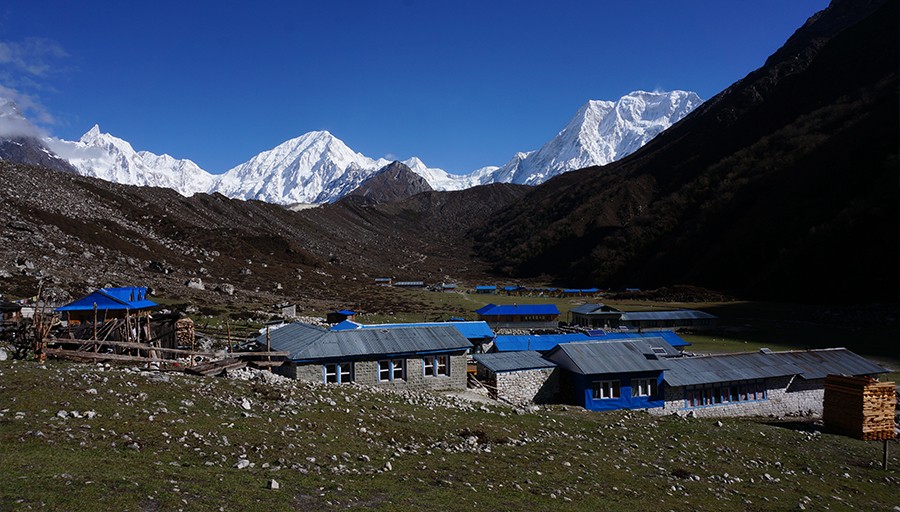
644,387
394,368
613,388
339,372
436,366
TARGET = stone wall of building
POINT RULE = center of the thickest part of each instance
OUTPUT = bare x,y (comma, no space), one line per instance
538,386
785,396
366,373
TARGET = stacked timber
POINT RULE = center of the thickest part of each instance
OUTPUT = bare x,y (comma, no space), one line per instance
860,407
184,332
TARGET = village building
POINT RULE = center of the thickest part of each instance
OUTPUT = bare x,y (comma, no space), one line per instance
603,316
410,284
518,377
383,281
534,342
108,303
486,289
650,374
336,317
594,315
759,383
414,358
478,333
547,342
608,375
520,316
10,312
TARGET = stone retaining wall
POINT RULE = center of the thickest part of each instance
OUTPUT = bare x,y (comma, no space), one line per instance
540,386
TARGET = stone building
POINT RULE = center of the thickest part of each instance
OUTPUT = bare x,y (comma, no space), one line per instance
518,377
415,358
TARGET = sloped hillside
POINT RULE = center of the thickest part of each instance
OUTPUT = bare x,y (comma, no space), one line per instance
783,186
75,233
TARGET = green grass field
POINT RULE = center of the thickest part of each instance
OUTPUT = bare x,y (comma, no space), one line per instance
171,442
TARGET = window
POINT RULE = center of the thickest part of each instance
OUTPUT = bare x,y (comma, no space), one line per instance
605,390
338,373
391,370
643,387
725,393
434,366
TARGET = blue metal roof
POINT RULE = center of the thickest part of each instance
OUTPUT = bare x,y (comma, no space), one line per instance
513,361
346,312
485,288
543,343
518,309
106,299
670,337
309,343
471,330
511,288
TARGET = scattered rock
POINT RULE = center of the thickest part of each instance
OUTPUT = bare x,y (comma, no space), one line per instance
273,484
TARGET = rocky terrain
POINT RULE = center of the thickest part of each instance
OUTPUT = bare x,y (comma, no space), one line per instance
75,234
100,437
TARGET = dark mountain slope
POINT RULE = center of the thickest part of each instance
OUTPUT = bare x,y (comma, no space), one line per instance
31,151
76,233
392,183
783,186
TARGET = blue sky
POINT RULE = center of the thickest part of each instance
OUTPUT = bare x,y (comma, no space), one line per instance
460,84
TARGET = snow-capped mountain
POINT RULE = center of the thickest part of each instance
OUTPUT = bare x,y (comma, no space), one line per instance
601,132
103,156
318,167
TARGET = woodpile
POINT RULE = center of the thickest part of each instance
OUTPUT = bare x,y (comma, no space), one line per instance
860,407
184,332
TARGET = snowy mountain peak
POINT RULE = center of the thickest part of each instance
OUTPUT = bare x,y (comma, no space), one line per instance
599,133
104,156
318,167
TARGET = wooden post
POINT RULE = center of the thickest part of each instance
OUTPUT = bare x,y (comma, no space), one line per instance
228,332
884,456
268,347
95,321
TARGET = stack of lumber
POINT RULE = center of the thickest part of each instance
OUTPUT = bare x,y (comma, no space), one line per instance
860,407
184,332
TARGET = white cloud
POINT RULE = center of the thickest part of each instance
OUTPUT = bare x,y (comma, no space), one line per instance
25,68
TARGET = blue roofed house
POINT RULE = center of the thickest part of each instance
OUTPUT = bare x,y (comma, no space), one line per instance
417,358
108,303
537,342
336,317
520,316
670,337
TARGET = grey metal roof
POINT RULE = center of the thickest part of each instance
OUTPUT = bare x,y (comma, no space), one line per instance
587,309
513,361
816,364
592,357
681,314
648,345
690,371
306,342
